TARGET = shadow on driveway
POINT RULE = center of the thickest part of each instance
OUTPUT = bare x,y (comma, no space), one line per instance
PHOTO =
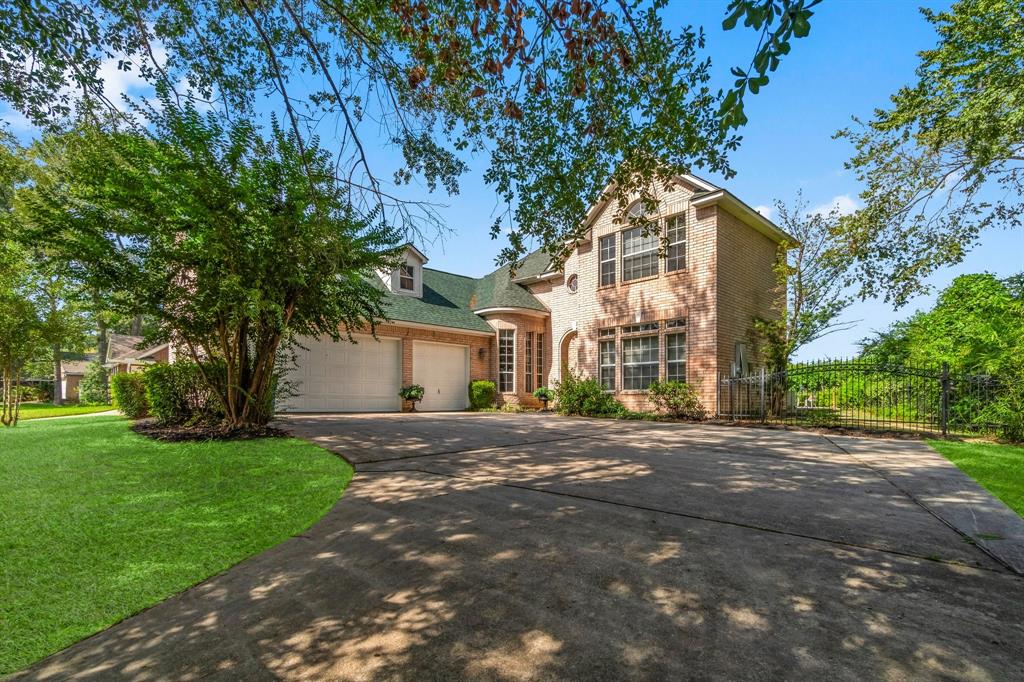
512,547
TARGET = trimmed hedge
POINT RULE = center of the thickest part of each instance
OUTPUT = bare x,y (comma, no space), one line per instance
129,395
481,394
178,394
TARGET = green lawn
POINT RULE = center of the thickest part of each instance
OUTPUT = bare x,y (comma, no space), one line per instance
40,410
98,523
998,468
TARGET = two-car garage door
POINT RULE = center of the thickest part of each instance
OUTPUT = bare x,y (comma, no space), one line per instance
366,376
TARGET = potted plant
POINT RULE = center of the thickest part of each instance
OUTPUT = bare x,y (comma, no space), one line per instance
544,394
413,393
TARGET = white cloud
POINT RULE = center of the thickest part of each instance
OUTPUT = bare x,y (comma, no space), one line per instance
15,121
843,203
766,211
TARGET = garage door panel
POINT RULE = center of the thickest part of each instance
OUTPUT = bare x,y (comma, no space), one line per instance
443,371
345,377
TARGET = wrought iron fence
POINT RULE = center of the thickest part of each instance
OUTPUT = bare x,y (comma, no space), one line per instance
865,395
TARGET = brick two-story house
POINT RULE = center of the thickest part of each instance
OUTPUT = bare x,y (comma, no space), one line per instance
624,308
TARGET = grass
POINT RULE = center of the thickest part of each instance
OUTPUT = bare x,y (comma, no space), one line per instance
998,468
98,523
40,410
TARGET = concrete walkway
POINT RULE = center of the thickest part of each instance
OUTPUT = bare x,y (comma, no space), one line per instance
534,547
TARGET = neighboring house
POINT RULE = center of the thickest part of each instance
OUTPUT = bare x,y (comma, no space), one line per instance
123,354
622,309
72,372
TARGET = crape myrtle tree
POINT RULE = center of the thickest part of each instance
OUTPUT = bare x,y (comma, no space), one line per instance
565,97
811,292
232,240
945,162
812,284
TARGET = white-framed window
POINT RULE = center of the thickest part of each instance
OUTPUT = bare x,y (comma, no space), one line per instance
406,277
639,254
639,362
573,283
506,360
607,257
675,356
529,362
675,255
540,359
640,328
606,367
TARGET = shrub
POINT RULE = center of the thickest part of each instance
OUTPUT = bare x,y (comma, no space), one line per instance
585,397
129,395
178,394
481,394
92,390
677,398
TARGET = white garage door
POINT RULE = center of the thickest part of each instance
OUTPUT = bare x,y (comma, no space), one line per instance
347,377
443,371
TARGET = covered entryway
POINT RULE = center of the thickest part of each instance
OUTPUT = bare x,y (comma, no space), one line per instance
347,377
442,369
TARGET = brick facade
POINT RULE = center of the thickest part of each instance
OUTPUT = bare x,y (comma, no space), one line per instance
481,349
727,281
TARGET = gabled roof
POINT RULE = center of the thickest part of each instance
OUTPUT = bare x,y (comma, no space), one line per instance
499,290
446,302
124,348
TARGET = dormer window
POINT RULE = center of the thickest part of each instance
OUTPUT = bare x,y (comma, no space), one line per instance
407,277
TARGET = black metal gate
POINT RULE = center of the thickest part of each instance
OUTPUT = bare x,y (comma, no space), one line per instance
864,395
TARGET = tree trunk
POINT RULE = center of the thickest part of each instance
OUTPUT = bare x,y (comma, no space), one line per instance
101,339
136,328
58,389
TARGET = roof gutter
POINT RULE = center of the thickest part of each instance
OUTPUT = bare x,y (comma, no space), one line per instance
510,310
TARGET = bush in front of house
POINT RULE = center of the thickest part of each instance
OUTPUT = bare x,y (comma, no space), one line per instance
677,399
585,397
481,394
177,393
129,395
92,389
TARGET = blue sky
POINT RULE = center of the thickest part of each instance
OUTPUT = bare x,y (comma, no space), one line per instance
858,53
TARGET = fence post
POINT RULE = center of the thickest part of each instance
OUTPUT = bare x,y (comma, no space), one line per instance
764,415
732,413
718,395
944,406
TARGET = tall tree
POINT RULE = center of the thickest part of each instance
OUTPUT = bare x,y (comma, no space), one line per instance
563,95
234,242
64,323
946,161
812,289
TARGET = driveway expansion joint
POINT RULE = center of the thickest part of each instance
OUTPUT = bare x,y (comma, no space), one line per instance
699,517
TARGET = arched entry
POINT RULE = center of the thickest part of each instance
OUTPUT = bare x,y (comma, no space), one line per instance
568,353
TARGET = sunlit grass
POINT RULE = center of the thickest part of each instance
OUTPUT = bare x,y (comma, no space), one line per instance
40,410
998,468
98,523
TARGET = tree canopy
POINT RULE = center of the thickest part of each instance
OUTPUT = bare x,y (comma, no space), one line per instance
946,161
232,240
563,96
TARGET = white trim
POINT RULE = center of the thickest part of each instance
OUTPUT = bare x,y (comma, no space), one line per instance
432,327
746,214
511,310
515,377
543,277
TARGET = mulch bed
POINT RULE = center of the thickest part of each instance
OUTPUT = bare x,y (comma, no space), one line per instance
200,432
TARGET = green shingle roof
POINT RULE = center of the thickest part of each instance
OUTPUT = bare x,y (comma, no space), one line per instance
449,299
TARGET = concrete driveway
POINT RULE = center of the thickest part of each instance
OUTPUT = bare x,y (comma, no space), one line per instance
514,547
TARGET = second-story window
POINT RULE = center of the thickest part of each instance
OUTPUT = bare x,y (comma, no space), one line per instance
639,254
506,360
406,278
675,256
607,248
